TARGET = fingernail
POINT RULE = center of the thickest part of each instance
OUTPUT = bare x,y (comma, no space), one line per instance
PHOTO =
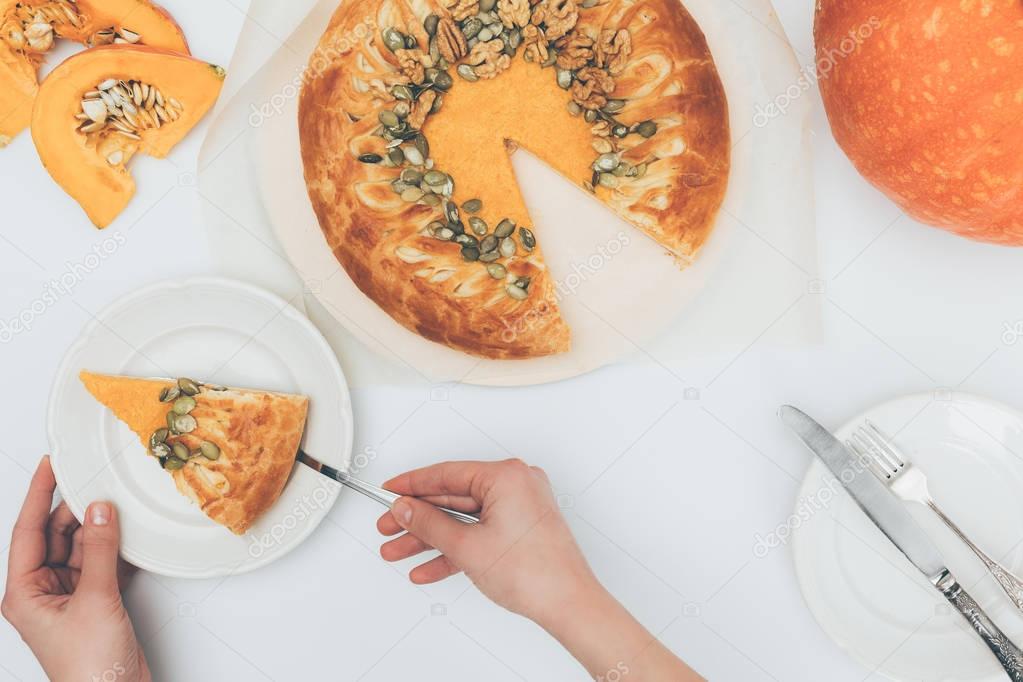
403,513
99,514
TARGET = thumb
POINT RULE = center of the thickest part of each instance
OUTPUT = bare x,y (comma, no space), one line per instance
431,525
100,545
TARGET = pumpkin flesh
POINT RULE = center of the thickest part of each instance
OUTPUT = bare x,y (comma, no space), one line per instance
30,28
92,166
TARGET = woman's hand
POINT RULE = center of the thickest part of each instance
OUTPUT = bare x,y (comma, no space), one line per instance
63,589
522,556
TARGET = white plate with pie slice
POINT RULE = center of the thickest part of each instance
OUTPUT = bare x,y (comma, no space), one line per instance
214,330
866,596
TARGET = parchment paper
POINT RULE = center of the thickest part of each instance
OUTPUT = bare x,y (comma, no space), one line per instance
622,296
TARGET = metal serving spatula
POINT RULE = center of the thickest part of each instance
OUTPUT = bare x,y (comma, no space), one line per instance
384,497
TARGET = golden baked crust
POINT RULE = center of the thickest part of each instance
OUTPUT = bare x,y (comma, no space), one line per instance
384,242
258,434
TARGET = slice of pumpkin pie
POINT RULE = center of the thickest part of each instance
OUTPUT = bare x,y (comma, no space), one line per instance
229,450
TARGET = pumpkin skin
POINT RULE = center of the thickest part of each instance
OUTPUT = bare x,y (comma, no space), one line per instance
19,67
926,99
83,170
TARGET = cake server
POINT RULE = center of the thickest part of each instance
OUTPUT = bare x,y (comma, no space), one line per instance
891,516
384,497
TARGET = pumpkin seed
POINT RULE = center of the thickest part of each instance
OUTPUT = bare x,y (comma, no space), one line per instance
170,422
444,233
457,226
438,102
641,170
619,131
412,194
431,200
184,405
435,178
528,239
413,156
370,158
497,271
172,463
606,162
389,119
514,38
647,129
422,146
574,109
472,206
209,450
402,109
523,282
180,450
443,81
622,169
107,84
504,228
169,394
95,109
187,386
471,27
508,247
184,423
564,78
487,5
434,51
402,92
588,4
467,240
470,253
490,256
411,43
516,292
608,180
160,450
590,116
398,186
489,243
486,35
396,156
467,72
159,436
451,211
478,225
552,58
393,39
602,146
430,24
613,106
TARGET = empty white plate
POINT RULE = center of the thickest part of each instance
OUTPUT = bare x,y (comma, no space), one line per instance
864,592
214,330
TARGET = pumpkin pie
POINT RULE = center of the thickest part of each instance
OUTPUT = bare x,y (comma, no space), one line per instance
229,450
408,117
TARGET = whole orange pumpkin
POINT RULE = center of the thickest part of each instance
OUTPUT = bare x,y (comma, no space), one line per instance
926,98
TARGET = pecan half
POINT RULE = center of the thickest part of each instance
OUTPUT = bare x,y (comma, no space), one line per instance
450,41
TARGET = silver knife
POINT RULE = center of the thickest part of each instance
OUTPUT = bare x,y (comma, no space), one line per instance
384,497
889,514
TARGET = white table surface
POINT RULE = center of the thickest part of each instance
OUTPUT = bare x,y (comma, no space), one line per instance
667,474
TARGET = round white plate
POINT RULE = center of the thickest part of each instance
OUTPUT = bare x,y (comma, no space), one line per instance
866,595
214,330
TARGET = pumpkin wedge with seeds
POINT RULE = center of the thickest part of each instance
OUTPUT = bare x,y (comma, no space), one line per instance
230,451
407,128
99,108
30,29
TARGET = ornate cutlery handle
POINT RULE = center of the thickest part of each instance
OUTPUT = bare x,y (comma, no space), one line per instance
1007,653
1012,585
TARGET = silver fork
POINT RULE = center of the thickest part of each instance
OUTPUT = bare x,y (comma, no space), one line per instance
909,483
